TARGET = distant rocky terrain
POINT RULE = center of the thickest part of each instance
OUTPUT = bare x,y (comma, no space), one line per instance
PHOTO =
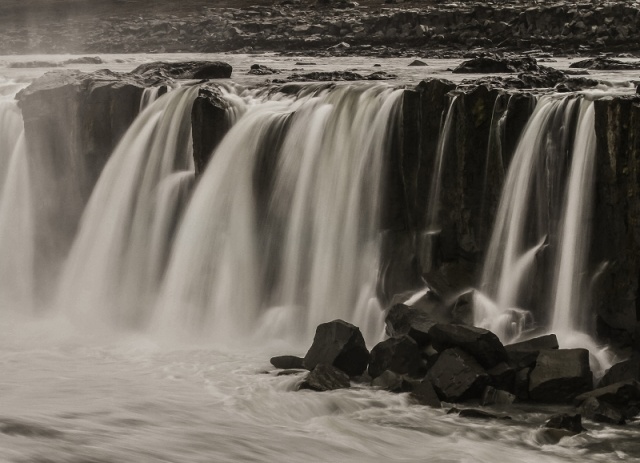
326,27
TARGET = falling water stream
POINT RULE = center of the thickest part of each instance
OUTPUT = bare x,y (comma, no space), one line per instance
177,289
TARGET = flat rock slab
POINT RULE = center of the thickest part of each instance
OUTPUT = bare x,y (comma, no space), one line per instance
287,362
560,375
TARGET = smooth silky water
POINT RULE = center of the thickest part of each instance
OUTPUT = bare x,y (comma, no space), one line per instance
156,346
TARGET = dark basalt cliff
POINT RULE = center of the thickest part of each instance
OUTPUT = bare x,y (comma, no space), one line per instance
74,120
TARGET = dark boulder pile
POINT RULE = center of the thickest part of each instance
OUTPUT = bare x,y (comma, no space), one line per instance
437,360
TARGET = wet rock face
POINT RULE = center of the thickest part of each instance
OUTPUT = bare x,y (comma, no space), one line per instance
209,124
73,121
615,248
340,344
560,375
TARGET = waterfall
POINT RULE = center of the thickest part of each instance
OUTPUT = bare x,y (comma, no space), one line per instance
16,209
570,307
527,223
115,259
281,233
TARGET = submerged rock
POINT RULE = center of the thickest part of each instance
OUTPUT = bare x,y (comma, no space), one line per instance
572,423
493,396
340,344
423,393
400,355
477,414
389,381
482,344
262,70
325,377
417,62
560,375
600,411
621,394
457,376
287,362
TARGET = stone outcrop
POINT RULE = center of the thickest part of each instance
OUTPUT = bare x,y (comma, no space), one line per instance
184,70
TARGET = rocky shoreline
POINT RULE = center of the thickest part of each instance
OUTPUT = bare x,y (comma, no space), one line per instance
343,28
441,363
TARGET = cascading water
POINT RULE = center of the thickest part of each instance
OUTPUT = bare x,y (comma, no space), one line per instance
542,228
316,253
16,210
116,258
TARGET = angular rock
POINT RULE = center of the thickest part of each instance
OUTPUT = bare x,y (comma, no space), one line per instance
482,344
185,70
596,410
457,376
502,376
209,124
400,355
340,344
523,354
560,375
325,377
415,323
622,371
621,394
423,393
286,362
565,421
493,396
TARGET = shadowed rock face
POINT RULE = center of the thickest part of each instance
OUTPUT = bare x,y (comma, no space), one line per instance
73,121
616,220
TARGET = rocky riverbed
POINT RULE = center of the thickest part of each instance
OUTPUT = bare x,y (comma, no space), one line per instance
338,28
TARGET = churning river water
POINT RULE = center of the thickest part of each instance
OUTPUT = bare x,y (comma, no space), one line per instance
71,395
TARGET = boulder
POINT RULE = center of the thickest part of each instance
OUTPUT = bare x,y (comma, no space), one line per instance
457,376
497,64
560,375
621,394
287,362
417,62
482,344
209,124
340,344
423,393
523,354
565,421
597,410
493,396
622,371
184,70
400,355
325,377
